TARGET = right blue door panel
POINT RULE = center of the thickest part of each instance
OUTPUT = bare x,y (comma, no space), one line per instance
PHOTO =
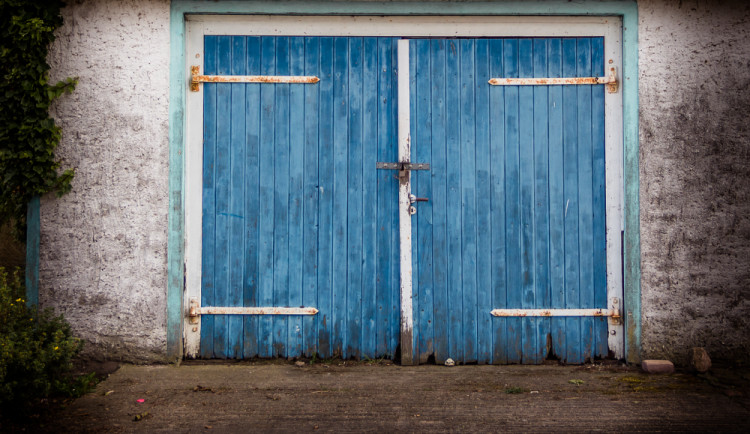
516,217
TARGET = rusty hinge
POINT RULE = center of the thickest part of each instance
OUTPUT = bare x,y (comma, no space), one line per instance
196,79
196,310
610,81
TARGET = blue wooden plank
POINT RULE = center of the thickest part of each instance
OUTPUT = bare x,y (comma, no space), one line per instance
483,210
266,221
438,198
369,196
222,167
414,178
497,201
236,209
599,198
570,191
340,180
354,202
541,199
453,208
311,197
468,200
526,190
208,225
557,339
281,143
326,195
386,217
252,193
296,192
585,196
421,152
513,202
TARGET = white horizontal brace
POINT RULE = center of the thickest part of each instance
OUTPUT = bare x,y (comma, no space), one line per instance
555,312
547,81
610,81
196,78
300,79
256,311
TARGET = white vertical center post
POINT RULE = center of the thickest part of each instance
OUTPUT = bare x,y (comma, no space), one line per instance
404,217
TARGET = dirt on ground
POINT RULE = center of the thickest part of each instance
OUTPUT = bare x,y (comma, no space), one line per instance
379,396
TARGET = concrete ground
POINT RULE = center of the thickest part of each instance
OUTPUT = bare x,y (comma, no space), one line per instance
379,396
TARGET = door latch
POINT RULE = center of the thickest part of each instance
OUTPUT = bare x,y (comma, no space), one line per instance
414,199
402,167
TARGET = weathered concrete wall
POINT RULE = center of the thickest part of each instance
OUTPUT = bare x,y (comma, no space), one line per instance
695,177
104,246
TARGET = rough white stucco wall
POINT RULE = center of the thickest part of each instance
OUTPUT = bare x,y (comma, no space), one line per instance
695,177
104,245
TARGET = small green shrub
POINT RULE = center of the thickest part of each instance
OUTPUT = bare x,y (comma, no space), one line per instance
36,348
76,386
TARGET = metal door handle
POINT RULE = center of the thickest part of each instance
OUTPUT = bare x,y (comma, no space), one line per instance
413,198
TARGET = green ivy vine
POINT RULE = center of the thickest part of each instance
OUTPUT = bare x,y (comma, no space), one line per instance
28,135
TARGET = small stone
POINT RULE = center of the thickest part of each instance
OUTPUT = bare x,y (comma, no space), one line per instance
657,366
699,359
450,362
299,364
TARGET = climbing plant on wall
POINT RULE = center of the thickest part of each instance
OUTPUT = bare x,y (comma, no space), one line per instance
28,135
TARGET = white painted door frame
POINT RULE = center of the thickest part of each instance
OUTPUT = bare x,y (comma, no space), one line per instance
404,216
402,26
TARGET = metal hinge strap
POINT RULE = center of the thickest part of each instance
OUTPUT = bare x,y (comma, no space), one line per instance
553,312
196,310
613,314
610,81
196,79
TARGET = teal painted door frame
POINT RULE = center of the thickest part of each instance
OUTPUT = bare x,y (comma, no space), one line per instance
625,9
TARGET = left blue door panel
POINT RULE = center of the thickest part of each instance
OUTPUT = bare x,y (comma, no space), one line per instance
294,212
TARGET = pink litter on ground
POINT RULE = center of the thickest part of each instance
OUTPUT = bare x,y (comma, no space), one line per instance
140,401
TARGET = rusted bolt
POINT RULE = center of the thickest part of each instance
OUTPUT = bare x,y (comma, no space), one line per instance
195,329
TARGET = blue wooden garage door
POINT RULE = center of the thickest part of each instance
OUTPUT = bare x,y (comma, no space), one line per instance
294,212
516,212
